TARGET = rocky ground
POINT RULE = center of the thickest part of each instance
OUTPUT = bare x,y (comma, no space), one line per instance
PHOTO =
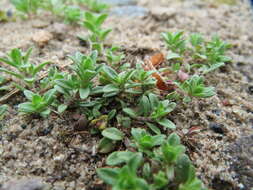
54,157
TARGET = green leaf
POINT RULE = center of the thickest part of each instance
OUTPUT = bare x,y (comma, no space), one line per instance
145,106
11,73
160,180
153,128
101,19
29,94
113,134
106,145
154,101
111,88
111,73
39,68
3,109
49,96
213,67
173,56
27,55
174,139
45,113
84,92
112,114
135,162
130,112
16,56
104,34
61,108
26,107
89,26
166,123
108,175
119,157
183,169
146,171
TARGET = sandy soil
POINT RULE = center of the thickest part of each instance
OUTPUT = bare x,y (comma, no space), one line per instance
222,152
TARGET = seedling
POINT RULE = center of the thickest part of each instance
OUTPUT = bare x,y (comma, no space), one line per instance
125,177
165,165
26,6
25,71
72,14
145,142
197,42
170,150
113,58
143,79
155,110
175,42
117,83
95,5
53,75
195,87
37,104
93,23
206,55
85,70
215,53
55,6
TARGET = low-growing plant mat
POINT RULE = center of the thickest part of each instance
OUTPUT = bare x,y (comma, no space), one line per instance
221,145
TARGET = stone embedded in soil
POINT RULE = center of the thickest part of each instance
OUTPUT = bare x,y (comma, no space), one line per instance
131,11
81,124
217,112
217,128
42,37
25,184
250,89
163,13
59,30
119,2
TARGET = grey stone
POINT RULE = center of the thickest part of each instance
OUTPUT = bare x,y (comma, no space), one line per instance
119,2
24,184
132,11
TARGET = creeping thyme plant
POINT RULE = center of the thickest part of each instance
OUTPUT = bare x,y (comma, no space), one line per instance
116,99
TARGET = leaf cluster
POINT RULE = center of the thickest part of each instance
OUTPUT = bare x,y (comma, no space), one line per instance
95,5
155,110
23,69
93,22
160,163
206,55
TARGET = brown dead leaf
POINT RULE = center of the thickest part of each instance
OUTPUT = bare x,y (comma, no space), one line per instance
157,59
149,66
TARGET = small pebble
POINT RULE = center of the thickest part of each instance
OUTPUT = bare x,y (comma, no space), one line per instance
42,37
27,184
217,128
131,11
217,112
250,89
23,126
46,131
119,2
9,13
81,124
